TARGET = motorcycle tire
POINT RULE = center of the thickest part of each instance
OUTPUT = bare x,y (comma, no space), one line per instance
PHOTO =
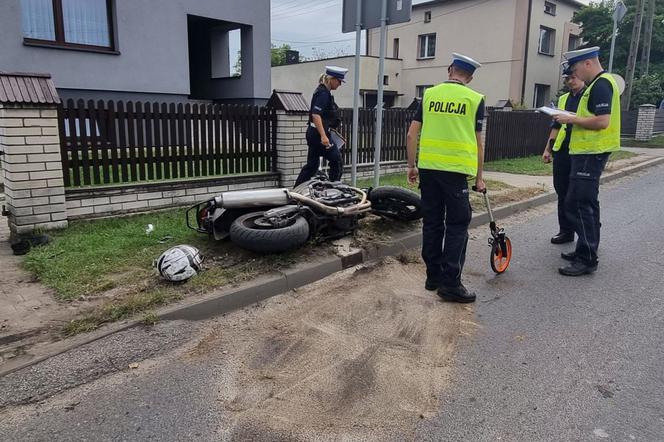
247,234
396,203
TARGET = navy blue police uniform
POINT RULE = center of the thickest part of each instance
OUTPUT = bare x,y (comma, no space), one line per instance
447,214
322,104
562,164
585,173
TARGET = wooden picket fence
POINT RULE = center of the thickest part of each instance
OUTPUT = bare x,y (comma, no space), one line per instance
393,144
515,134
116,142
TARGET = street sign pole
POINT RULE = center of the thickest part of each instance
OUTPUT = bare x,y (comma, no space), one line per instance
613,42
356,92
618,14
379,103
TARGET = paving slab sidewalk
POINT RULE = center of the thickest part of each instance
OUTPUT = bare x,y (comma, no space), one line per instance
26,307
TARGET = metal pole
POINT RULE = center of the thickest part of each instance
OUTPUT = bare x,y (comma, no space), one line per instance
379,104
356,92
613,42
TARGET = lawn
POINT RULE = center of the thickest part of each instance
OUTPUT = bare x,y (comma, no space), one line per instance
110,261
534,165
655,142
90,257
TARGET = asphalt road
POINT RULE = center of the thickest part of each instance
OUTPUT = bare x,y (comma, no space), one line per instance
569,359
539,357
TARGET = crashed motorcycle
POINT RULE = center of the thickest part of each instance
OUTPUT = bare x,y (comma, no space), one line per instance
276,220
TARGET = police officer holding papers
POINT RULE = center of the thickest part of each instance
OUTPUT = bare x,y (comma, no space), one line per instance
558,147
595,135
449,123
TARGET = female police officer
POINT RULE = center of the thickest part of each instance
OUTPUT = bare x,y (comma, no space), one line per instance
323,117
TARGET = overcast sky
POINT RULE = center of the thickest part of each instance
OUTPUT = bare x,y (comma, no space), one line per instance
313,27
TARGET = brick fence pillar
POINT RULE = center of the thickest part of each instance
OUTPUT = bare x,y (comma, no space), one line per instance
645,122
32,166
291,145
292,116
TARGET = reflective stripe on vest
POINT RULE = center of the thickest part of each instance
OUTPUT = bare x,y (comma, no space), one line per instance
562,102
448,141
586,141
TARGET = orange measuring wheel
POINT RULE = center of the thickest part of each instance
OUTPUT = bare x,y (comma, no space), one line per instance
501,253
501,246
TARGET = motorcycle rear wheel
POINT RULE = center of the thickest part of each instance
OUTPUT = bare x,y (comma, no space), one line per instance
248,232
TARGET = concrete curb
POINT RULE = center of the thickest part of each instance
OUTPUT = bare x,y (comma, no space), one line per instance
227,300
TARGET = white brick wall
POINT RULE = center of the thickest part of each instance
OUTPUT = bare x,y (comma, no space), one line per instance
97,203
32,168
645,122
291,146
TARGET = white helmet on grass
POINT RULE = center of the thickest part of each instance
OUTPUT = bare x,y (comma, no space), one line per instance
179,263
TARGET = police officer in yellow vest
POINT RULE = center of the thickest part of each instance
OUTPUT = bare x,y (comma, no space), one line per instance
449,123
557,148
595,135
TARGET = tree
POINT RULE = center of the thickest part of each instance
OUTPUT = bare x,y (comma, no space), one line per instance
648,90
597,24
279,54
237,68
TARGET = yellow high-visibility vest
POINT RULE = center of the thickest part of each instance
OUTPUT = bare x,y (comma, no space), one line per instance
448,141
562,133
586,141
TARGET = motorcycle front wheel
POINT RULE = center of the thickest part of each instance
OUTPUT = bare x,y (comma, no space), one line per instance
253,232
396,203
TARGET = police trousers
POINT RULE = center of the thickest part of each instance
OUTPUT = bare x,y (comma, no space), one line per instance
317,150
561,168
446,217
582,203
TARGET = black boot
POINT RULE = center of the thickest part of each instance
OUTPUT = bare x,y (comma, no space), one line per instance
456,294
432,284
578,268
569,256
562,238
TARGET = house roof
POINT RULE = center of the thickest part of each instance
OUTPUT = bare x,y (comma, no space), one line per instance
575,3
27,88
288,101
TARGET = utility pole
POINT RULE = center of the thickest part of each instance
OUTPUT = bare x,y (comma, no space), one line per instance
633,50
647,38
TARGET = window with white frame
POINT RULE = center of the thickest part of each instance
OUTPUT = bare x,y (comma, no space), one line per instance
547,41
426,46
542,95
68,23
573,42
550,8
427,16
419,90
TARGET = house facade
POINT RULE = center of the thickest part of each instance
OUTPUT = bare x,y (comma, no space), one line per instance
519,43
303,77
175,50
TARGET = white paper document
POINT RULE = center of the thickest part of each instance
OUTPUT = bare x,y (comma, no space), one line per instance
551,111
